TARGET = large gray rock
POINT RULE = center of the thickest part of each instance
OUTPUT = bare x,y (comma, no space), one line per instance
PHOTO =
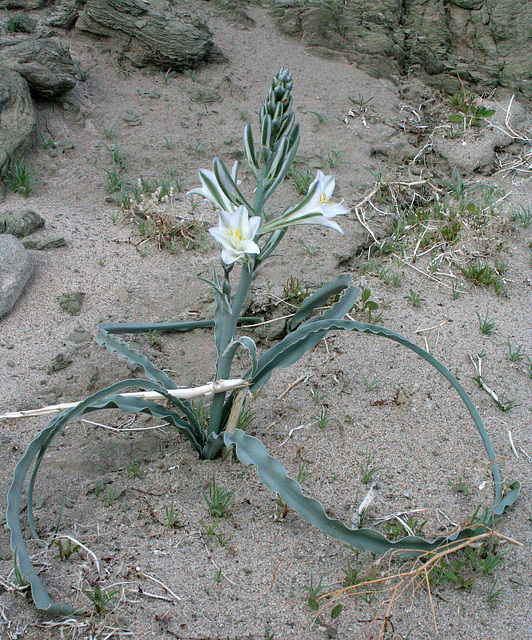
16,267
474,149
20,222
165,36
17,116
45,63
483,42
27,5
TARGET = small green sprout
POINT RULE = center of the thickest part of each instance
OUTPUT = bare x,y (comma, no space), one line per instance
368,471
64,552
494,595
320,115
100,597
133,469
218,499
487,325
302,180
171,515
314,591
371,385
20,178
414,298
515,352
460,486
334,157
112,495
524,216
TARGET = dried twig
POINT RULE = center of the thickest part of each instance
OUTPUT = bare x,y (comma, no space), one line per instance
302,378
211,388
157,581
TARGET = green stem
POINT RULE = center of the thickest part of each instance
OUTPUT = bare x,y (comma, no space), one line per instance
223,368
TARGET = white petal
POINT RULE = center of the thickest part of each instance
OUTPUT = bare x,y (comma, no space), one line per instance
333,209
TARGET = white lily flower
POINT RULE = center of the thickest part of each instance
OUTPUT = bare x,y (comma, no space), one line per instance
315,208
235,232
210,189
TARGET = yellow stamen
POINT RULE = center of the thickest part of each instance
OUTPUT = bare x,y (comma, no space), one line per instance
237,234
323,198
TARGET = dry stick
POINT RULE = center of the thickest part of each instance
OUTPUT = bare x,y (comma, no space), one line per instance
281,561
211,388
161,584
512,444
303,426
236,410
80,544
428,275
140,591
429,564
209,555
302,378
481,382
119,429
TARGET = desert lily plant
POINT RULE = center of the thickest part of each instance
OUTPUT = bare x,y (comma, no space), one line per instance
248,234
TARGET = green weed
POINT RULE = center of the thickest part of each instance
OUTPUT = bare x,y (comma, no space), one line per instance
371,385
100,598
460,486
482,274
314,591
494,595
368,471
524,216
20,178
64,552
334,157
487,325
515,353
171,515
414,298
133,469
218,499
295,291
320,115
302,179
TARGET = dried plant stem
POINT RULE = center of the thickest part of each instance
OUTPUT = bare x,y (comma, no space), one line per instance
407,578
211,388
161,584
302,378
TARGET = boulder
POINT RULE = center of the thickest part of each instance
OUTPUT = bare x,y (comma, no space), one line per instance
474,150
26,5
167,36
45,63
483,42
20,222
17,116
16,268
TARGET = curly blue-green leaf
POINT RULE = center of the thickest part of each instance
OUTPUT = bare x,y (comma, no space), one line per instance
250,450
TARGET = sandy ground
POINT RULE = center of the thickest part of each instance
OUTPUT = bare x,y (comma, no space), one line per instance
249,577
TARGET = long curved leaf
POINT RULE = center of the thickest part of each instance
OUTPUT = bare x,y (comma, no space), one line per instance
320,297
104,399
250,450
124,351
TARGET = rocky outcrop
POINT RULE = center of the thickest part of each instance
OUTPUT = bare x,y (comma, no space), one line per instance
20,222
165,36
45,63
482,42
16,267
17,116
